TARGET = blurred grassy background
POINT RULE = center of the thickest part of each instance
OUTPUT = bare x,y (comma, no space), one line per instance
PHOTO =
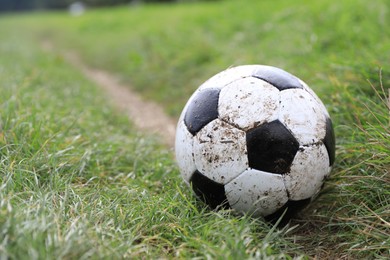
184,44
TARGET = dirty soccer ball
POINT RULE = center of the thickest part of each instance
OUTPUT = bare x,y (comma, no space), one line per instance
255,139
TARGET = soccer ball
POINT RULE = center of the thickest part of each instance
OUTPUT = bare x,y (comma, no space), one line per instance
255,139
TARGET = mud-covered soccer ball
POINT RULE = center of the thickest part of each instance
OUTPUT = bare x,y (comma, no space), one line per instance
255,139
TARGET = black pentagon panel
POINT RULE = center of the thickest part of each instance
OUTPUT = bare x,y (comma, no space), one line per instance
271,148
202,110
330,141
209,191
292,207
277,77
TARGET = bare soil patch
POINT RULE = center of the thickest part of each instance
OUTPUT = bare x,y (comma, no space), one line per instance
146,115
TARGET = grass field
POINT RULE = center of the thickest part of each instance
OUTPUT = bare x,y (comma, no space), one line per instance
79,181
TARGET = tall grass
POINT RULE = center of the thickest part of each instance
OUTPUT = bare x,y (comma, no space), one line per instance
353,214
78,181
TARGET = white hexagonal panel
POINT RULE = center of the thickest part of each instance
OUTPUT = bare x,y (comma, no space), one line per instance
227,76
220,151
311,92
183,151
303,115
308,171
248,102
257,192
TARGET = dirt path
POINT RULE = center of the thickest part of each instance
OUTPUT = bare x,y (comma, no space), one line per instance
146,115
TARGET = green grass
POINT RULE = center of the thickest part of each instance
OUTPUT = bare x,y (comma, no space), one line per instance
174,48
77,180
